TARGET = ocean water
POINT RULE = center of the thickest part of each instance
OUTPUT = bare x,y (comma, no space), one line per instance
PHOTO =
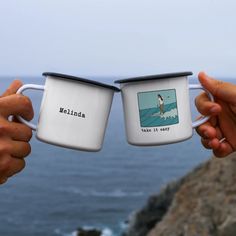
152,117
61,190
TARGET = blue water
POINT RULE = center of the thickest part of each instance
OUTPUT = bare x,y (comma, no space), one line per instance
61,189
150,117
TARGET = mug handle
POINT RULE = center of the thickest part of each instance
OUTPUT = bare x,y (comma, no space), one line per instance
204,118
20,91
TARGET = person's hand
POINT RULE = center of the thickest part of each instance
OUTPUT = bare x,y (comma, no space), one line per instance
14,136
219,133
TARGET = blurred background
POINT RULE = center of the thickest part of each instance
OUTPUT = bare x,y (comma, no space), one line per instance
61,189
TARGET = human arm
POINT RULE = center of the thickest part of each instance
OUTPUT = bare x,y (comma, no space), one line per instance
222,124
14,136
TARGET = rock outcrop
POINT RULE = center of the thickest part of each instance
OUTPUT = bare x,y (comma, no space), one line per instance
88,232
202,203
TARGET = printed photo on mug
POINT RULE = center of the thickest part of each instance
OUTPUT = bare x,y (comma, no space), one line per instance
158,108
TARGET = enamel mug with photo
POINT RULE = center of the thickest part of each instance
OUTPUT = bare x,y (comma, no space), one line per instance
157,108
74,111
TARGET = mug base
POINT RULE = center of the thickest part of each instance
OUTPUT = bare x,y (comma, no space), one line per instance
70,146
148,144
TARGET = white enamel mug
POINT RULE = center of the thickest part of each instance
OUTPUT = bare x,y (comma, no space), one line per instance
74,111
157,108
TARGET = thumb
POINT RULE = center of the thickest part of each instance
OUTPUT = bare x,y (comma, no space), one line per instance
219,89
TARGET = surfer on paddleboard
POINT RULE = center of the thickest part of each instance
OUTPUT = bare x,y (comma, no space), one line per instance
161,104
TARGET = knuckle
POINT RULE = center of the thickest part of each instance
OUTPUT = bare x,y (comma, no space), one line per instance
24,100
28,108
218,154
27,101
202,103
221,153
199,101
26,105
205,143
5,165
27,149
23,164
19,168
5,148
28,133
200,130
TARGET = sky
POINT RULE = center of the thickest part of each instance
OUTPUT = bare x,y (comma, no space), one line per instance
117,38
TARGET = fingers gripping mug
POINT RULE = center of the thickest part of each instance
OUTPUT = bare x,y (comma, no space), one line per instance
74,111
157,108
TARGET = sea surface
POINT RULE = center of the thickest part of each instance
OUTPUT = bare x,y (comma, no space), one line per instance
61,190
152,117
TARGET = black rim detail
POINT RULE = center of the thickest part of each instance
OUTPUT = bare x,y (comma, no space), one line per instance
82,80
154,77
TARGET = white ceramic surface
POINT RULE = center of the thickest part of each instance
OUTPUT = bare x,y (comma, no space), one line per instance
157,111
73,114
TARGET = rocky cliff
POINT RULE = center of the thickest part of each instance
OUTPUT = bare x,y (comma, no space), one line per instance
202,203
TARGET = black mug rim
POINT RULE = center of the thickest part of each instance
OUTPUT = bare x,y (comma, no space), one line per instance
70,77
154,77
